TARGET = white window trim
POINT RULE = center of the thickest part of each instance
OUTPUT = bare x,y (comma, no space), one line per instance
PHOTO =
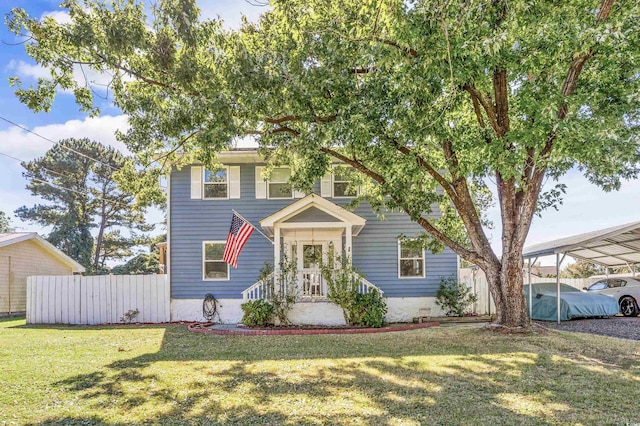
424,262
269,181
204,278
333,182
204,183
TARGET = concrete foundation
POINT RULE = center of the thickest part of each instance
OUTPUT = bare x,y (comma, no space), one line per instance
400,309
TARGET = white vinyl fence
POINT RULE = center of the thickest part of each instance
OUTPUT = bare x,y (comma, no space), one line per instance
102,299
481,289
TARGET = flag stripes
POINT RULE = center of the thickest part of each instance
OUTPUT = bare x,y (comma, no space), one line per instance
239,233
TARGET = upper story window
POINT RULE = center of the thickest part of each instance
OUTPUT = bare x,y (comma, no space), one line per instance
342,185
278,184
410,260
213,267
216,183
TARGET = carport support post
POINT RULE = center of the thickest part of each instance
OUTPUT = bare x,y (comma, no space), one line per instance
530,292
558,262
489,299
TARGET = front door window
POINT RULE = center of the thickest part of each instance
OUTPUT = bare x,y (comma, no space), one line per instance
311,255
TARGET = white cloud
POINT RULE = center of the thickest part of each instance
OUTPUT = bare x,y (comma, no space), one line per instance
26,146
24,69
97,80
60,16
231,11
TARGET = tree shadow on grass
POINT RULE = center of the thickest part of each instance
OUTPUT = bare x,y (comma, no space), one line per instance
418,377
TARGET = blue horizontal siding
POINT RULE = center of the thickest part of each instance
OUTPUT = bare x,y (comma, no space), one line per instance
375,250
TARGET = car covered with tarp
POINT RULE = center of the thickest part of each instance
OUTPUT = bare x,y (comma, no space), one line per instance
573,303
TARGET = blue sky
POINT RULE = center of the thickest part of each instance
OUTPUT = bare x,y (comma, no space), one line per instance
585,208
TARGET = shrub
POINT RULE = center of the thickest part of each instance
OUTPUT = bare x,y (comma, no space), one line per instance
129,316
368,309
281,289
280,293
257,313
454,297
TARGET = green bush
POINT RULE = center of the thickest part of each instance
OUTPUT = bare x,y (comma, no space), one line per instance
281,288
257,313
366,310
369,309
454,297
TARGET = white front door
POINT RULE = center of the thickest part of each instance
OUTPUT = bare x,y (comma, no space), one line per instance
311,249
310,257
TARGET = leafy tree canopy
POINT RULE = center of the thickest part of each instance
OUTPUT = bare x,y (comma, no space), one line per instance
582,269
429,101
142,263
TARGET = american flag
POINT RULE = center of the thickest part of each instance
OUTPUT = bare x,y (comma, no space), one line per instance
238,235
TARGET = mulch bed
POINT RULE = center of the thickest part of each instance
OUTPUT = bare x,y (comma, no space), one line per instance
209,328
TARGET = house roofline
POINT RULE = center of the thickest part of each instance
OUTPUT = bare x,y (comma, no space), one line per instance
75,266
239,156
313,200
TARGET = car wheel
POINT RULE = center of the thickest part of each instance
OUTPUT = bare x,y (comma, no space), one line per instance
628,307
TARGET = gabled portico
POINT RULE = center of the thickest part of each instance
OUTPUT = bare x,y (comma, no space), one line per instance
312,216
309,231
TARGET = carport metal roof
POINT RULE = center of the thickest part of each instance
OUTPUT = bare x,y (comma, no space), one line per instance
615,246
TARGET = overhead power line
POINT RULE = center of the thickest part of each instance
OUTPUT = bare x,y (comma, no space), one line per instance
55,185
43,168
62,146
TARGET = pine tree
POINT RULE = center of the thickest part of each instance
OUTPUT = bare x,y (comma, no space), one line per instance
5,223
82,195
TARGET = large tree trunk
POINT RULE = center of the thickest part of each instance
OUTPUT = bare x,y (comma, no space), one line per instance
506,286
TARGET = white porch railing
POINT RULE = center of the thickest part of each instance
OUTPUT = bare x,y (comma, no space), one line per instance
310,285
260,289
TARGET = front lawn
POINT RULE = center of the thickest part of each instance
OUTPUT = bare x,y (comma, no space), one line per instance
441,375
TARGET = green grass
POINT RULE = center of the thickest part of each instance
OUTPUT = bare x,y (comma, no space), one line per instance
441,375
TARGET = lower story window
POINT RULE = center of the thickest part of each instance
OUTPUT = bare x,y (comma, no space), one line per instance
214,268
410,260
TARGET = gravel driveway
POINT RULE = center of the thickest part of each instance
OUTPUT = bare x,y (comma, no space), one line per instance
624,327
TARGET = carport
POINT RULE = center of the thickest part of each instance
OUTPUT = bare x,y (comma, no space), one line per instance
609,247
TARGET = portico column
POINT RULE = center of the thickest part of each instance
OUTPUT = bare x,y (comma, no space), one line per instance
276,248
347,240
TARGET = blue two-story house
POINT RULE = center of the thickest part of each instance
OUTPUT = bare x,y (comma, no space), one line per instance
304,227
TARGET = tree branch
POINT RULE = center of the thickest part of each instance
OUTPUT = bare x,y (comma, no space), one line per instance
283,119
408,50
478,97
428,226
141,77
571,80
501,93
466,208
180,144
445,184
286,118
285,129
